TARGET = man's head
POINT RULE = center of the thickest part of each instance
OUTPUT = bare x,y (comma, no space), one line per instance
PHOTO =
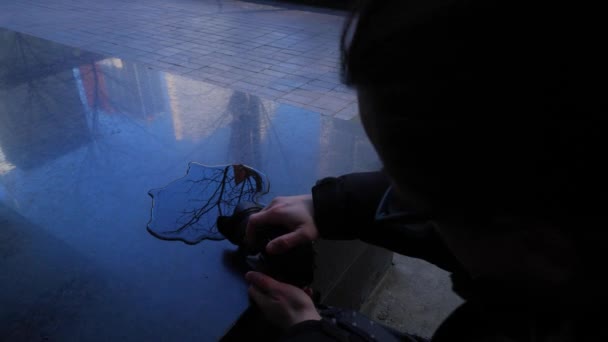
464,102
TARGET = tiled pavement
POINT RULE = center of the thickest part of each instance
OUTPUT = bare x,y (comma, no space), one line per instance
271,49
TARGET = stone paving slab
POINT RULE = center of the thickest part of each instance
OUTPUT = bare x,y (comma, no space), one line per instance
273,50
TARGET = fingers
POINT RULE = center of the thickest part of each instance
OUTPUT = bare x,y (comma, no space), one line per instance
262,289
309,291
293,213
263,283
286,242
264,217
258,296
283,304
272,215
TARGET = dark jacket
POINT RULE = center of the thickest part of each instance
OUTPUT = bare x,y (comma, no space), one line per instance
345,208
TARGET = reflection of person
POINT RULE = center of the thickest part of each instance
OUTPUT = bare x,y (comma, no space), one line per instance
246,127
512,206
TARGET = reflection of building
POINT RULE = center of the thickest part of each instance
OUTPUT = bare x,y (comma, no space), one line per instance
41,121
114,86
55,99
94,87
41,117
23,57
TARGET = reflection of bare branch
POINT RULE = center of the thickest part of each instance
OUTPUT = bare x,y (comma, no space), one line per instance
196,215
200,197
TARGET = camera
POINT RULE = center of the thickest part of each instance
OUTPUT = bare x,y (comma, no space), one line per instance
295,267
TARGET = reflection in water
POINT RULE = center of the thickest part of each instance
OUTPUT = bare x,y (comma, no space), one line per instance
41,118
246,127
187,209
54,100
197,109
82,138
113,86
5,165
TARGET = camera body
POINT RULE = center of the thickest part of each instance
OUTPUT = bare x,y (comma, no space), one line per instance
295,267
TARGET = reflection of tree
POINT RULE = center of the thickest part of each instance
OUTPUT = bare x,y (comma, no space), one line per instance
246,127
199,198
202,196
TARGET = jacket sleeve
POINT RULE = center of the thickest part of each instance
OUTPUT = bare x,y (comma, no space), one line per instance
324,331
346,205
345,209
321,331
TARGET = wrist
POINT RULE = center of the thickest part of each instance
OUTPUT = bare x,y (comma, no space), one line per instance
304,317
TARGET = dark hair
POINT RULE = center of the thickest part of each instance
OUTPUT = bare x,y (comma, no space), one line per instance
504,75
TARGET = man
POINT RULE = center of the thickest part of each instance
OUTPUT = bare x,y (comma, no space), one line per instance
465,103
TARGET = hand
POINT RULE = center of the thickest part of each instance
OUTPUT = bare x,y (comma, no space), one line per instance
294,213
283,304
